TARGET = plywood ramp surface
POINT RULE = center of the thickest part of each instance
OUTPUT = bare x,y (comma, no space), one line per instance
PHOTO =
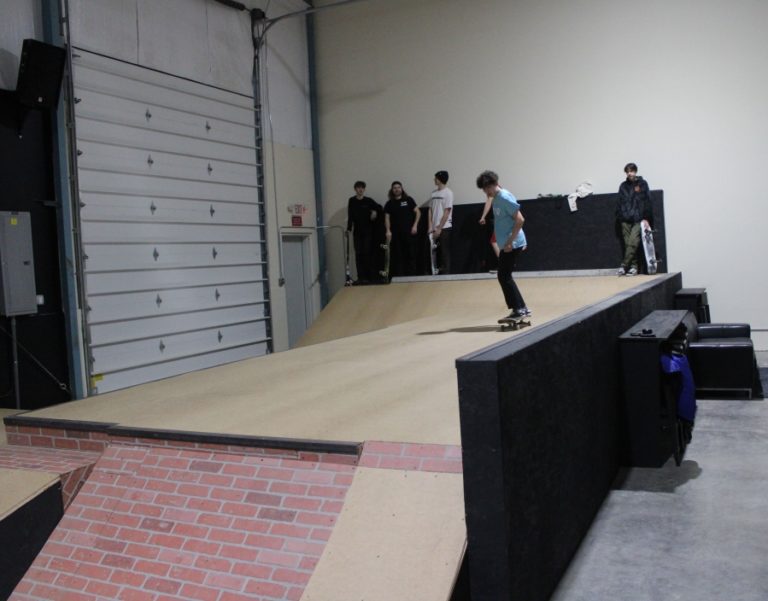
400,535
360,309
19,486
396,383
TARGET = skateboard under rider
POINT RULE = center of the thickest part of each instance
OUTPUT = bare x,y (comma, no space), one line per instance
514,323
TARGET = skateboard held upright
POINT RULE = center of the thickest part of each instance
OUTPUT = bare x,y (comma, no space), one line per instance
650,250
347,271
384,273
433,254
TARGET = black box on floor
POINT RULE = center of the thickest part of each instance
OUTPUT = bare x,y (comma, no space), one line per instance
695,301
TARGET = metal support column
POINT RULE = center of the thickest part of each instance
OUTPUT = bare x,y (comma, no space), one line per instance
67,209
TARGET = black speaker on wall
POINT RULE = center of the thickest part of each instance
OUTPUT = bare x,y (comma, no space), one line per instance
40,72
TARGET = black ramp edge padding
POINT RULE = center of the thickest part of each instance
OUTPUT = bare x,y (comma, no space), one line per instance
112,429
268,442
24,532
26,420
541,438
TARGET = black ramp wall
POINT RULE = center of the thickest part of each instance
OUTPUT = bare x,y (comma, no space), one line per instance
558,239
23,534
541,436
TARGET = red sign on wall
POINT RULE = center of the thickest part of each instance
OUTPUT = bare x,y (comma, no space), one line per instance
296,220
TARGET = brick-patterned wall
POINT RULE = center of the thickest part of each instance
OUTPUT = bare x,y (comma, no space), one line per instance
164,523
55,438
411,456
73,467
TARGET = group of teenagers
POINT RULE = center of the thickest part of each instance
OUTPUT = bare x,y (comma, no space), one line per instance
400,220
401,223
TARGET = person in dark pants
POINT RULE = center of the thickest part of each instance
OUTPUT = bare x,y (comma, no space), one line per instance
401,218
362,213
440,219
633,214
508,227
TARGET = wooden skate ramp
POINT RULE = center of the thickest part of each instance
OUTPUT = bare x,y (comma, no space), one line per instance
395,383
360,309
400,535
390,382
19,486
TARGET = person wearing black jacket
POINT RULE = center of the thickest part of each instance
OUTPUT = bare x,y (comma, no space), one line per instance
362,213
633,212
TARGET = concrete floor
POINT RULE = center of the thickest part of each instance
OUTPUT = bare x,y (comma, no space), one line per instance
698,532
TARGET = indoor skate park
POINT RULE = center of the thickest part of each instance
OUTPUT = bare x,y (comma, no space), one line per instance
197,407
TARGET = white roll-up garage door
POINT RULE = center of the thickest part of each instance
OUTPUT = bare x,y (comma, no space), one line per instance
172,223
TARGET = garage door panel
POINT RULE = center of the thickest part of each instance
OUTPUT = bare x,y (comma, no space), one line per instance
166,279
114,357
138,185
106,157
151,140
131,233
156,371
117,207
102,257
164,325
99,106
138,305
143,85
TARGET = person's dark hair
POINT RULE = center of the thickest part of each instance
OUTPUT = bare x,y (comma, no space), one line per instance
630,167
442,177
359,184
394,183
487,178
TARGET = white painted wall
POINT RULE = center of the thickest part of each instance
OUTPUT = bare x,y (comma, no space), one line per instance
552,92
287,77
294,169
288,152
19,20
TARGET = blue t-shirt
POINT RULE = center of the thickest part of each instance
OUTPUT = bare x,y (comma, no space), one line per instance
505,207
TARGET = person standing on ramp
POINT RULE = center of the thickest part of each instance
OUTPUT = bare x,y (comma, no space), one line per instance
440,219
362,213
508,227
633,216
401,219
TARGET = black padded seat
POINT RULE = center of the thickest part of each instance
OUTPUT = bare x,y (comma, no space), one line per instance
722,359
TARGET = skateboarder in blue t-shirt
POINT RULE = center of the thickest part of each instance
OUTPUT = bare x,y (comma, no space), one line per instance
508,227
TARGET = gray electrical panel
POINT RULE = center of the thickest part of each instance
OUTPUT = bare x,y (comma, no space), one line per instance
18,295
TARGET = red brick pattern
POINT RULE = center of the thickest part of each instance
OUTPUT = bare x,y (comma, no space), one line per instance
54,438
73,467
241,450
412,456
166,523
